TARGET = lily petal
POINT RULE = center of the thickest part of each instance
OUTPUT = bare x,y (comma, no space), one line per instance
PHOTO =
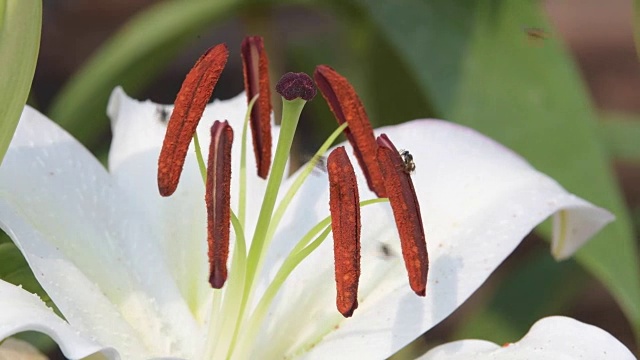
88,243
552,338
22,311
138,130
478,201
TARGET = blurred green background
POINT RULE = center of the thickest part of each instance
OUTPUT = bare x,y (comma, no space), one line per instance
555,80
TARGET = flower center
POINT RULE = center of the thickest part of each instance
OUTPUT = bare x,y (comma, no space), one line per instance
233,325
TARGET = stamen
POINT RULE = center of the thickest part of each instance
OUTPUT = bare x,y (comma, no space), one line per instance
347,107
218,199
189,106
255,66
406,212
344,204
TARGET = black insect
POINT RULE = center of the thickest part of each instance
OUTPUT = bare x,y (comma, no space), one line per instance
407,162
163,113
321,163
386,250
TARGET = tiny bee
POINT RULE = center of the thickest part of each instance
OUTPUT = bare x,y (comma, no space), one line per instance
407,162
163,113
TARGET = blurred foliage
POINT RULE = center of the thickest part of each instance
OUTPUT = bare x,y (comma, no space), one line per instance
477,63
20,23
621,133
131,58
636,25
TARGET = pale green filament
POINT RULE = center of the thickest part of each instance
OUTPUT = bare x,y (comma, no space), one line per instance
286,200
296,256
242,193
228,314
214,346
201,164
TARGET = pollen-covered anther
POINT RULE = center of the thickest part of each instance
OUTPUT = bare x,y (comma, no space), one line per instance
344,203
406,212
218,200
296,85
347,107
189,106
255,66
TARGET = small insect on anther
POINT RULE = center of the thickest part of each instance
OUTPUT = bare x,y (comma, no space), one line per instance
163,113
407,161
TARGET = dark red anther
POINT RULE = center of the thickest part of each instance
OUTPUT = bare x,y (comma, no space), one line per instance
406,211
255,66
189,106
218,200
347,107
344,203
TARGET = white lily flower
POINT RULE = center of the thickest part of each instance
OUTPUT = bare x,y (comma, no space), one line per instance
128,269
552,338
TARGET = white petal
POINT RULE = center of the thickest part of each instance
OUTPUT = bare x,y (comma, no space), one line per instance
22,311
552,338
138,132
478,201
89,245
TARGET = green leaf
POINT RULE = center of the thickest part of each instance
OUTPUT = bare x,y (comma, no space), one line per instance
131,58
20,23
477,65
622,136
